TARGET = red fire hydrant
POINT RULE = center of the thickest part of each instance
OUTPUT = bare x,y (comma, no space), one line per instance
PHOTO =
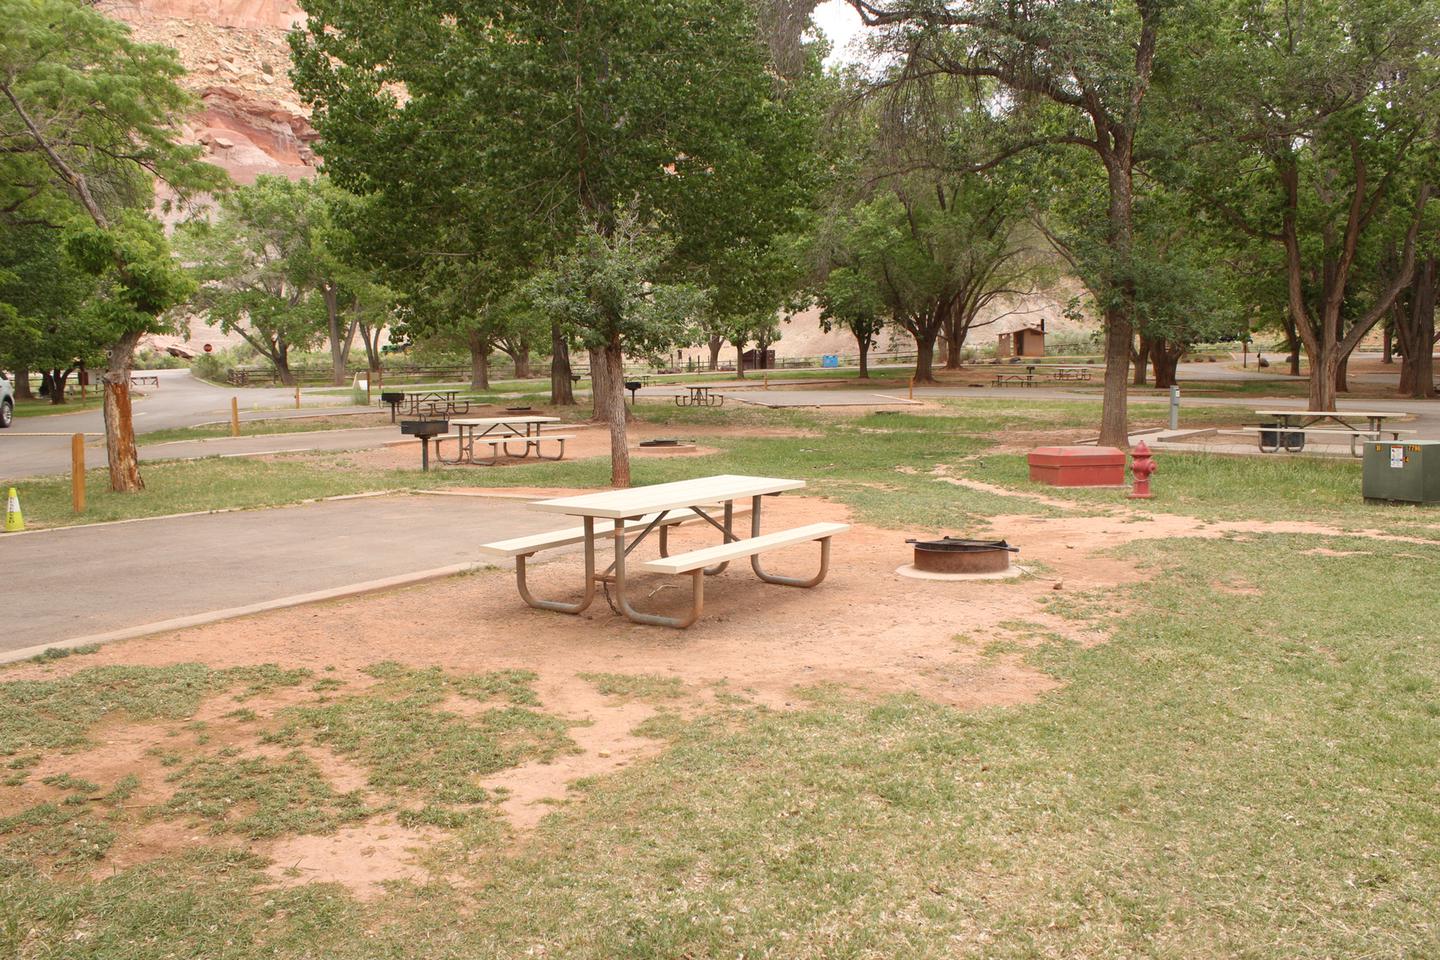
1142,464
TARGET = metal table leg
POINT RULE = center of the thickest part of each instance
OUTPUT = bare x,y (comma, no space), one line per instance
776,578
558,605
697,597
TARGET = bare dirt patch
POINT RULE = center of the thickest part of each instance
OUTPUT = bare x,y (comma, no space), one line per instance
362,858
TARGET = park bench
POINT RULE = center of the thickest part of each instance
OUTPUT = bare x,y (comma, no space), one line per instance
145,381
1024,379
499,444
696,562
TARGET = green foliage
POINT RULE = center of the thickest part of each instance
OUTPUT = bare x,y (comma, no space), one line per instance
607,290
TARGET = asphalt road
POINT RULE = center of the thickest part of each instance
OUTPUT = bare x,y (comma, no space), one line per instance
76,582
40,446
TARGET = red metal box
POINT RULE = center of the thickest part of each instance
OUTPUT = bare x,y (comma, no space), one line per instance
1078,466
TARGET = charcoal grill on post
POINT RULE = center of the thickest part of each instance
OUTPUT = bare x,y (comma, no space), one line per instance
959,555
425,430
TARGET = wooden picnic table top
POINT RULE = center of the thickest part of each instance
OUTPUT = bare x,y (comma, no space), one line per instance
501,421
637,501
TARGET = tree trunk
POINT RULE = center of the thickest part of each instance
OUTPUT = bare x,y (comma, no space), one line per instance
1323,368
715,343
864,343
22,384
925,357
562,391
603,392
1387,352
337,346
954,342
1165,357
740,360
479,360
120,452
1414,325
612,359
58,381
282,365
522,362
1342,375
1119,316
1141,359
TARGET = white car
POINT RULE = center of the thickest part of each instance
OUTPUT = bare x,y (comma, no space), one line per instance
7,401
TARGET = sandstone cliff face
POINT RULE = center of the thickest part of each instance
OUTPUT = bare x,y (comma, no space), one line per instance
251,121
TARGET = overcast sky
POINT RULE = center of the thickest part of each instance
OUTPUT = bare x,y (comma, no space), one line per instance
841,24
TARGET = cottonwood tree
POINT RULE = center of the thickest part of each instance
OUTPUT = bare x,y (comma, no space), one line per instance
528,123
1077,74
89,121
1320,141
850,301
256,269
48,321
606,290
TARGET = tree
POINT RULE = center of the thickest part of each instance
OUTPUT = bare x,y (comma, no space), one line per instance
257,271
89,119
1320,141
850,301
605,290
49,323
526,124
1077,74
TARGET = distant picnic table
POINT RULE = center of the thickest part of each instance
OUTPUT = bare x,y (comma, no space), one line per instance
1292,427
498,433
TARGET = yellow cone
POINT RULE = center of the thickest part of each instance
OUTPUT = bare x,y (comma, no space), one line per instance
14,521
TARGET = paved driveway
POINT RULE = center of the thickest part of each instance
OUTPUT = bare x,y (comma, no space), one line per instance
60,584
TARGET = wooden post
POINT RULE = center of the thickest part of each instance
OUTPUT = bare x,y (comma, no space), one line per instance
234,416
77,472
912,388
297,396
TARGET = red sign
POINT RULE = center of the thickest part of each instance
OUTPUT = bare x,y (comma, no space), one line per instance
208,348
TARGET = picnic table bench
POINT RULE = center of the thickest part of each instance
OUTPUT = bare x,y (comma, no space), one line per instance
699,397
643,510
498,433
1292,427
141,380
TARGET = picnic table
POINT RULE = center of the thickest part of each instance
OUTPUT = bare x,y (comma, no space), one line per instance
498,433
435,403
1293,426
1069,373
643,510
699,397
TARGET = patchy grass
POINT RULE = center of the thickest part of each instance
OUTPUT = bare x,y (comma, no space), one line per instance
636,686
59,713
259,797
401,730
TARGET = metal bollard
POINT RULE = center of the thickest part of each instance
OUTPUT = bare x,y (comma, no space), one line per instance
1174,407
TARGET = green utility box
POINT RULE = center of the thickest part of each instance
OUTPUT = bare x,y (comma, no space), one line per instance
1407,472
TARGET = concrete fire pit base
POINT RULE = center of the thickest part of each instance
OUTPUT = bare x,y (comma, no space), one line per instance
908,570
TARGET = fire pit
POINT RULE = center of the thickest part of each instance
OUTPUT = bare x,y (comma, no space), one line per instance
958,555
661,442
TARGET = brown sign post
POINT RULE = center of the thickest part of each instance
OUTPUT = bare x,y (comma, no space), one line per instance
77,472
